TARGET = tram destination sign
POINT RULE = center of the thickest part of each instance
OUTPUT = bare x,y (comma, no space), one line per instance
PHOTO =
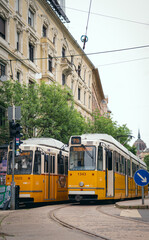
141,177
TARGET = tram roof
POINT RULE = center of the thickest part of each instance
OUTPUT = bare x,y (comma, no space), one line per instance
109,139
49,142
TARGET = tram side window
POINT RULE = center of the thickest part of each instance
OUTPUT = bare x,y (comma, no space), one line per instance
120,161
133,168
60,164
128,167
37,163
109,162
66,165
123,164
117,162
52,164
100,159
46,163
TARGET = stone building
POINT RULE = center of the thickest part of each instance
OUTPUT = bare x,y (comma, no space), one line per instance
36,46
139,144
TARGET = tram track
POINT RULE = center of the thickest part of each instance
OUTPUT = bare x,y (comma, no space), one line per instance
53,216
99,209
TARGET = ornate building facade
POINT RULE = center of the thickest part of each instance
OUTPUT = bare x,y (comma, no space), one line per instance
36,46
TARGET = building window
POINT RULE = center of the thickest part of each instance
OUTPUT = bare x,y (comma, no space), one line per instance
44,31
72,85
18,76
79,70
63,52
2,28
30,18
31,52
84,98
18,39
63,79
79,94
54,40
89,80
89,102
2,69
18,6
50,63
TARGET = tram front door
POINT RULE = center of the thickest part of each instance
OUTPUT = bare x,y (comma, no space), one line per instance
109,174
50,180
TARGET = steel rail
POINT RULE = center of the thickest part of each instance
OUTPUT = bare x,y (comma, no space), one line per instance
64,224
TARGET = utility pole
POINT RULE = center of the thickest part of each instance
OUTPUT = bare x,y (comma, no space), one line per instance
14,113
13,161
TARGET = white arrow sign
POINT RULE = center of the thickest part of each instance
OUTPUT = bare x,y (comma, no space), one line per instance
143,179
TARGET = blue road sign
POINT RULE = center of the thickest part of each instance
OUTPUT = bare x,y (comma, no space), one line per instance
141,177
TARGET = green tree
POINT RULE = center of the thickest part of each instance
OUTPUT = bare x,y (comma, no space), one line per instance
46,110
146,160
58,118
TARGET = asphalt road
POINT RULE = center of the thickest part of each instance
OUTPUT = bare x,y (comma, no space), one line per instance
102,221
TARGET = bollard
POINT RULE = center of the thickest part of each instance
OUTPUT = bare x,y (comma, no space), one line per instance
17,189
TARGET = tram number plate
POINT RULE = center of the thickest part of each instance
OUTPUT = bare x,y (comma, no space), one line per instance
82,174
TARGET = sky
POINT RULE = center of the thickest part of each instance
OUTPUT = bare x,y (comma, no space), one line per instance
113,25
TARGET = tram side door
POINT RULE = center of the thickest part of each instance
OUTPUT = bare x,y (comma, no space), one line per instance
109,174
51,177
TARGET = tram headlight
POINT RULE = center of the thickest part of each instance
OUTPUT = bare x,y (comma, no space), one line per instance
81,184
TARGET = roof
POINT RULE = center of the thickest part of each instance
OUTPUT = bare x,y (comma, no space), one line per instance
44,141
110,139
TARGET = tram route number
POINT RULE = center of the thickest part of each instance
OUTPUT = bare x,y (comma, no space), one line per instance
81,174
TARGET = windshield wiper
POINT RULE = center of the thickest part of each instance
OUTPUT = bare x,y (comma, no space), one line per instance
87,151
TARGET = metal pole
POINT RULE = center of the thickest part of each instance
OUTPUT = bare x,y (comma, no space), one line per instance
142,195
13,161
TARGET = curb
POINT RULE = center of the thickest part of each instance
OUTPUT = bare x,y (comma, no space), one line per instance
132,206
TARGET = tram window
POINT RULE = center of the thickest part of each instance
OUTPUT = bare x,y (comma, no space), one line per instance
37,163
117,162
109,160
46,163
60,164
133,168
123,164
128,166
52,164
120,161
100,159
66,166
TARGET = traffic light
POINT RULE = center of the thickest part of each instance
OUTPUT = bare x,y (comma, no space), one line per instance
18,130
15,129
18,141
12,129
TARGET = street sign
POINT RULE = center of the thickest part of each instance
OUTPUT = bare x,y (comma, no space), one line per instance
17,115
141,177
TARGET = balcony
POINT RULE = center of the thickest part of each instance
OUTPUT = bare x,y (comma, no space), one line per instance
66,65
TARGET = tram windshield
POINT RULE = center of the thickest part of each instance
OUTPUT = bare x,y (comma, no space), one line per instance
22,164
82,158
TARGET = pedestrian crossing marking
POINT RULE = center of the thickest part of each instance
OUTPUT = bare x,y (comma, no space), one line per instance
133,213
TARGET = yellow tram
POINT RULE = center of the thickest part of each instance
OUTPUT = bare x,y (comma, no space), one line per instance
101,168
41,170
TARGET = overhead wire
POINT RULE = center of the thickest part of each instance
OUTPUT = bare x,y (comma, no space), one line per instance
108,16
120,62
84,54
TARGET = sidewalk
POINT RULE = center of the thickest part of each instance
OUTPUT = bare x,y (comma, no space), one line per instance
133,204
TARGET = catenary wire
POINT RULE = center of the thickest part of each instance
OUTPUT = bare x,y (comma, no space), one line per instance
108,16
85,54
